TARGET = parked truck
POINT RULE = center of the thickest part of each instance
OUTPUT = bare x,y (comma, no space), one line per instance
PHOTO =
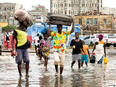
111,40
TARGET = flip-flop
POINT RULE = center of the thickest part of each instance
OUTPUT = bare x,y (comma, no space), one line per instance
56,74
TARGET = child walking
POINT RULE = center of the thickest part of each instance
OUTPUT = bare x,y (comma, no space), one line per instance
83,57
99,49
46,49
76,44
59,45
39,51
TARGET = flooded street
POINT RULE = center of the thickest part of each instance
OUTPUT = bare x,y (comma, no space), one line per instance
92,76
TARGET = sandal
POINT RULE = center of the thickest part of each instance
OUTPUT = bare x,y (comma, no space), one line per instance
56,74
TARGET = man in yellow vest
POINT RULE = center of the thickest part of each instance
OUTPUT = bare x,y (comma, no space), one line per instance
20,36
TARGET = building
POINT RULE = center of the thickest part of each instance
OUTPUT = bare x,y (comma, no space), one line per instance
38,14
108,10
7,10
74,7
3,24
112,11
100,21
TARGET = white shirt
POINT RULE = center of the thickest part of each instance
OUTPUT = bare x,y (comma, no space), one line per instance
36,40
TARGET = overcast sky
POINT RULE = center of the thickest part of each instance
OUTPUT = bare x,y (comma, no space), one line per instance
28,4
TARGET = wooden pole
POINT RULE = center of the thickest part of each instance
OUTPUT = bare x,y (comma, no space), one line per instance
92,19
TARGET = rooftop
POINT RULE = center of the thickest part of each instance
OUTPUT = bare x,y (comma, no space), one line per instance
95,12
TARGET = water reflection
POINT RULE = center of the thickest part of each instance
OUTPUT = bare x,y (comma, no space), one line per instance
23,82
59,82
92,76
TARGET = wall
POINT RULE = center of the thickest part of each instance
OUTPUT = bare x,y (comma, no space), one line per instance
3,24
109,21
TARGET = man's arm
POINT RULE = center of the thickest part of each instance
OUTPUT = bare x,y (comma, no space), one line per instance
105,50
88,53
12,41
72,26
94,48
83,51
49,29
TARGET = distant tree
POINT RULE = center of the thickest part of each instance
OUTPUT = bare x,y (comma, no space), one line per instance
31,23
8,28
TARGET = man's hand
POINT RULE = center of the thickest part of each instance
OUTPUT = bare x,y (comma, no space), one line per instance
48,23
74,47
85,54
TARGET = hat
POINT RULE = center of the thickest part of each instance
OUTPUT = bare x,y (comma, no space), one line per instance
21,15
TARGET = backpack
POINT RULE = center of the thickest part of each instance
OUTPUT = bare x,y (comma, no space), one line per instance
7,37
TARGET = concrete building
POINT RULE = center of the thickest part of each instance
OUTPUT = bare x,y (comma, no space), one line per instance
74,7
112,11
38,14
100,21
108,10
7,10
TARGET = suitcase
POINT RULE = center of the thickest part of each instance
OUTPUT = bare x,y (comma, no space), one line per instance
54,18
60,22
92,59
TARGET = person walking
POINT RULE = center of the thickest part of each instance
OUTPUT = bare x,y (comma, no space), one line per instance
83,57
46,49
7,40
20,36
99,49
36,42
59,46
39,51
76,44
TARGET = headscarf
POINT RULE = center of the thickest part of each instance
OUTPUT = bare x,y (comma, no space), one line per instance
21,15
100,37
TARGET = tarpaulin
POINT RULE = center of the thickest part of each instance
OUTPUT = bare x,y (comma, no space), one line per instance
10,46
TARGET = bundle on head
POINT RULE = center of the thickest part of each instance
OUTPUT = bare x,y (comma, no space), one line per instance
21,15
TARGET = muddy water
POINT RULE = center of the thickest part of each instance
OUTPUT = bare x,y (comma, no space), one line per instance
92,76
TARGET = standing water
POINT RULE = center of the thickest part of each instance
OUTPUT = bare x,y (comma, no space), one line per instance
92,76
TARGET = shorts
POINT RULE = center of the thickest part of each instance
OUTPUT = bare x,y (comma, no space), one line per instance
100,61
59,57
22,54
76,57
83,57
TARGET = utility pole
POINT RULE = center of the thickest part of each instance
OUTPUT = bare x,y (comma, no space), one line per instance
79,6
92,17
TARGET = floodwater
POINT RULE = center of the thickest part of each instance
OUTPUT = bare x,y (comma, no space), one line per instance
92,76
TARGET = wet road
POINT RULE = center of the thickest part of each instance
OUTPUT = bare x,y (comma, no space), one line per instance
93,76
